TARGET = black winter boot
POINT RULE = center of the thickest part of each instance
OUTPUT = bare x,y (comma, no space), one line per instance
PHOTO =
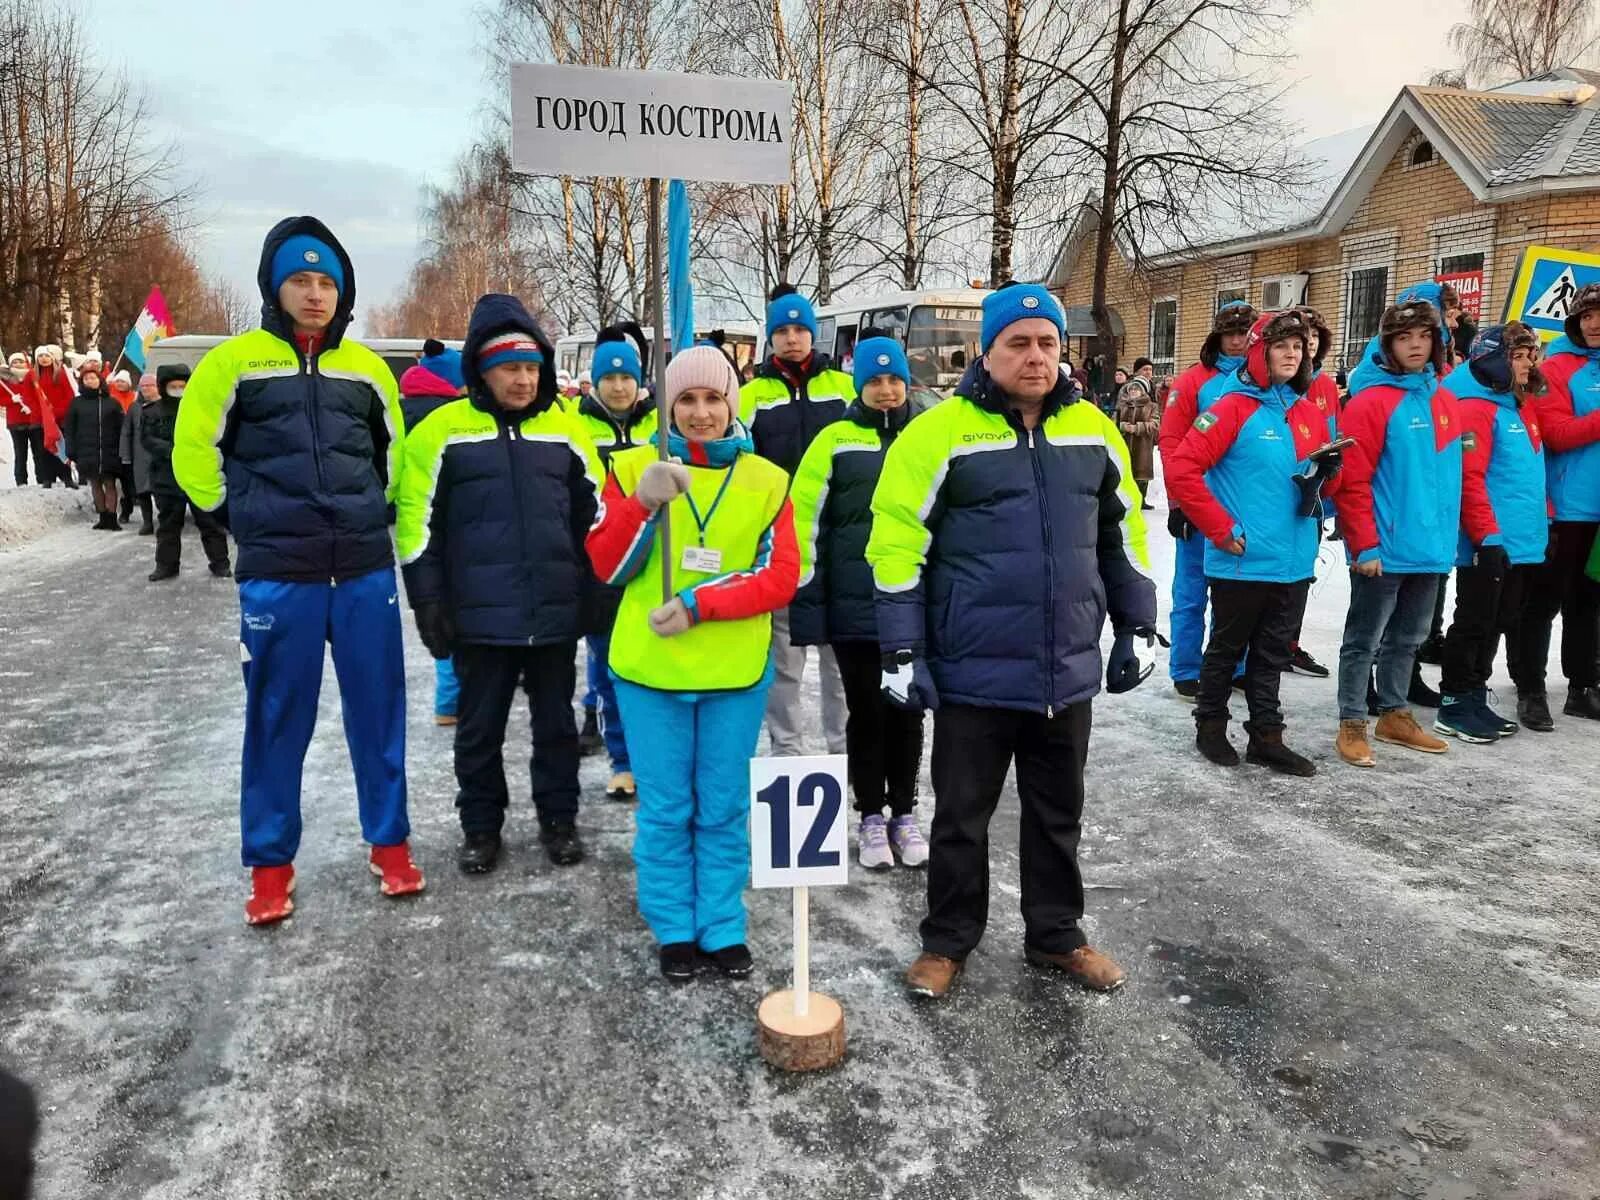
1533,711
1583,702
1266,749
1420,693
677,961
1432,650
561,842
163,573
733,961
479,853
1211,739
1372,693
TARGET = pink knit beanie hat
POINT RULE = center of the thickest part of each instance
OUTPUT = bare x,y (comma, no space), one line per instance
703,367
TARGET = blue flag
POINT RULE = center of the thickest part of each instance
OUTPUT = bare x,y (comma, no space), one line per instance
680,290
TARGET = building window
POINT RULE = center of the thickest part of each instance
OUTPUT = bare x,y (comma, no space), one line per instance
1164,336
1365,298
1460,264
1228,295
1422,153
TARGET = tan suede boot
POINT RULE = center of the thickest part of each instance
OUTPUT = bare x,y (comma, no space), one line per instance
1352,744
1400,728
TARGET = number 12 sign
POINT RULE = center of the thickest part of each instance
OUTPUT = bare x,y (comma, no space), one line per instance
797,822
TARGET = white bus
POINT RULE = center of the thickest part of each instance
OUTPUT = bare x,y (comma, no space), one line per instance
575,352
940,329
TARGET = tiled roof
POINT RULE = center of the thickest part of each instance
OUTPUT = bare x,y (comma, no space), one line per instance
1515,138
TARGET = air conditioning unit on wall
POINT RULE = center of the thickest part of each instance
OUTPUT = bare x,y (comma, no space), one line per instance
1284,291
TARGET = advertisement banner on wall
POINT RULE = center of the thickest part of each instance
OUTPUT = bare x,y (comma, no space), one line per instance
1546,281
1469,286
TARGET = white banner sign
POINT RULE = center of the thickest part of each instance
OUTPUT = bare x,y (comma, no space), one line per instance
797,821
649,124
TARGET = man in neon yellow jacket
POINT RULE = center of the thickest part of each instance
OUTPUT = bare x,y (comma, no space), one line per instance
1006,528
290,434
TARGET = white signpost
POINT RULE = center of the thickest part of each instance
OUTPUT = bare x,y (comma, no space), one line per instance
652,125
798,840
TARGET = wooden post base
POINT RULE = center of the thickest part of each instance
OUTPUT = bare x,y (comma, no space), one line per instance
808,1043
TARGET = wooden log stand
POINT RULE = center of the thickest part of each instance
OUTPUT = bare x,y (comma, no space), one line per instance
798,1029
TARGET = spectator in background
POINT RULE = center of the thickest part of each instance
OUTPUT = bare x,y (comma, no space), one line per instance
135,454
156,428
25,417
1139,419
122,391
53,392
94,432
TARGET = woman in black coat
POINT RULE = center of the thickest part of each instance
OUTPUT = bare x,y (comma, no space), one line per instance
94,431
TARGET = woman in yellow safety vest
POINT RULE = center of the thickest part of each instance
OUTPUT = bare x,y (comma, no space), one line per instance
692,674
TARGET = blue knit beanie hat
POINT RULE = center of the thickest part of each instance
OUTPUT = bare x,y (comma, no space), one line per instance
877,356
442,361
789,307
302,252
1013,302
617,358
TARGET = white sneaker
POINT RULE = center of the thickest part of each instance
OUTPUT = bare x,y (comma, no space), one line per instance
908,841
872,844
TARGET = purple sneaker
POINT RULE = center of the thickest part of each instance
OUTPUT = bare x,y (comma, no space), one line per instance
908,841
872,844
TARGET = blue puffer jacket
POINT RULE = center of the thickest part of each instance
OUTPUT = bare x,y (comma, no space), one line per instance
1568,413
494,506
998,552
1502,490
1400,490
1233,476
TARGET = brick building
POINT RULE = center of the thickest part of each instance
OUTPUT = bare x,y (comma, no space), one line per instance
1450,181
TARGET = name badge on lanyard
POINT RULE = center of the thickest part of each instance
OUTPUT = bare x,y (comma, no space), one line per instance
702,558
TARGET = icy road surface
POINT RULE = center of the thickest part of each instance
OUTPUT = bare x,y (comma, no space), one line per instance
1368,984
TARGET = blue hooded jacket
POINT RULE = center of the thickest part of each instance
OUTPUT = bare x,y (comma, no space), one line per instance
1499,448
1572,474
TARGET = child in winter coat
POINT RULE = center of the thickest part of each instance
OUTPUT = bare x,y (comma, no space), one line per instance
135,455
433,382
616,416
692,674
832,497
497,495
1399,510
1569,420
157,426
1244,475
1504,521
94,432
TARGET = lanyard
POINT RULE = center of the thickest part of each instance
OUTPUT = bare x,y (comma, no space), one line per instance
702,522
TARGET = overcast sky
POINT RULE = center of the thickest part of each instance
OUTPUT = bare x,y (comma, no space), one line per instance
345,109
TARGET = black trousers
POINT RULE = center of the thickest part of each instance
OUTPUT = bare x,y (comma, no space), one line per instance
884,742
489,678
1560,585
147,507
1264,619
973,748
26,438
1487,605
170,508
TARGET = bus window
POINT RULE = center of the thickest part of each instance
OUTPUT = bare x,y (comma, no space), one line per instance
826,328
844,348
941,342
890,322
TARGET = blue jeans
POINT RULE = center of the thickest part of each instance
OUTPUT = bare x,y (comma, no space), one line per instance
603,699
691,756
1388,619
446,687
283,628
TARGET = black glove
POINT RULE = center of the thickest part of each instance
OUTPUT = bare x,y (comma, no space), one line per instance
435,628
1493,559
1310,483
1178,524
1124,672
907,683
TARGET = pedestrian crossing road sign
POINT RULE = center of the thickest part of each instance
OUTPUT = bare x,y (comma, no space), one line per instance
1547,278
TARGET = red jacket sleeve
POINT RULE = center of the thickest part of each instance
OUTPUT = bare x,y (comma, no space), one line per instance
1365,418
1562,430
1201,449
766,585
1477,445
1183,406
620,540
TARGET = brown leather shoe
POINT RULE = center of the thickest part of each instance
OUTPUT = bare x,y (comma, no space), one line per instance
1400,728
1087,965
1352,743
932,975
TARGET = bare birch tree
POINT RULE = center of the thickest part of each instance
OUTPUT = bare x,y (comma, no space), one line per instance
1512,39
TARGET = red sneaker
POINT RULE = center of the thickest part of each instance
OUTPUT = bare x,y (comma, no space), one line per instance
394,866
269,894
